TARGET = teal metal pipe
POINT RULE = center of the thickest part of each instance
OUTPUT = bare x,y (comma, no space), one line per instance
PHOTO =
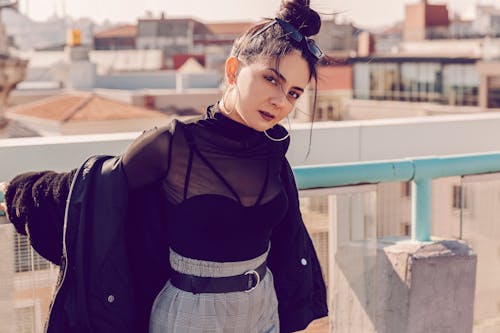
351,174
398,170
420,170
421,210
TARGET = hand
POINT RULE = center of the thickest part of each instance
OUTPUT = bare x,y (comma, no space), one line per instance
3,209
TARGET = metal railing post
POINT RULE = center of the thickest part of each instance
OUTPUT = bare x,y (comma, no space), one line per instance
421,209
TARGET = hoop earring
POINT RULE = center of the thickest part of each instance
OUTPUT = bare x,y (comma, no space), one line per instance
224,108
280,139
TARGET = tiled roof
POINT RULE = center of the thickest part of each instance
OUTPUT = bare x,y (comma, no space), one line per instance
76,107
121,31
162,26
233,28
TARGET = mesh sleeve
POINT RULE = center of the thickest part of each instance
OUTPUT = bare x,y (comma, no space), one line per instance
147,159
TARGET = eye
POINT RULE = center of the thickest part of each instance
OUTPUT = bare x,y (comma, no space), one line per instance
294,94
271,79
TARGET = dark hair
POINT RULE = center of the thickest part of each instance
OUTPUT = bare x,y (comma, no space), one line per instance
272,42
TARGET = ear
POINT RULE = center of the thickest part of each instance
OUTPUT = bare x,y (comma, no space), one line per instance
231,69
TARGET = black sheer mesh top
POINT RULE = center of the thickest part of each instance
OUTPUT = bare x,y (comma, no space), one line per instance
221,181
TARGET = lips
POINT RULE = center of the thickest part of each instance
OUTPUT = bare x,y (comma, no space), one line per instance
266,115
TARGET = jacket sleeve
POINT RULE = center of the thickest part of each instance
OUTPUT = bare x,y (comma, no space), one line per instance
298,280
36,203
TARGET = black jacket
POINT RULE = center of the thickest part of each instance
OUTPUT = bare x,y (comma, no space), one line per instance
114,256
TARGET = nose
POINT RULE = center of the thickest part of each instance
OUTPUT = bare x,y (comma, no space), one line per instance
278,98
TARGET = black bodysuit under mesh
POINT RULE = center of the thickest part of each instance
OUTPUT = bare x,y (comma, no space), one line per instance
221,181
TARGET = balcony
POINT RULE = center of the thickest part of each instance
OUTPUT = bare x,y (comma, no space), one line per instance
367,188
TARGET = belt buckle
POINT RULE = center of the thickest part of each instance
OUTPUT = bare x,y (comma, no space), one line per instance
257,278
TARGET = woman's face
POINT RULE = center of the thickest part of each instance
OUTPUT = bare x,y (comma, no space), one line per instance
263,94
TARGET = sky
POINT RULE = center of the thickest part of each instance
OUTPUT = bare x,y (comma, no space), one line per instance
364,13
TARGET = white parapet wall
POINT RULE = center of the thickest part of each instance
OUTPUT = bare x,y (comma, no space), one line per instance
357,141
328,142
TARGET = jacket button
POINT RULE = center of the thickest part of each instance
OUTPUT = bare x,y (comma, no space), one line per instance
303,261
111,299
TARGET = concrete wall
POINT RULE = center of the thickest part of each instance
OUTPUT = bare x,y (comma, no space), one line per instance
133,81
197,99
331,142
357,109
351,141
392,285
158,80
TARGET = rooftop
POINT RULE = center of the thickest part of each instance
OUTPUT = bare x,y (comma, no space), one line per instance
229,28
121,31
74,107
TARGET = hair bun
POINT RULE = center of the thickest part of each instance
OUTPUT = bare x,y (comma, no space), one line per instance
300,15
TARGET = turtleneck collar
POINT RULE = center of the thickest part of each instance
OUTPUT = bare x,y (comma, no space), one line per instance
216,120
223,131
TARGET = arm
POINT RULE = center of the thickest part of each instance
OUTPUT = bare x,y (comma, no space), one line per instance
35,203
147,159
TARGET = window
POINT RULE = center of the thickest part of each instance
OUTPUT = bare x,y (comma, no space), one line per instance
405,229
25,258
494,92
330,115
406,189
384,81
459,199
27,316
460,84
25,319
361,81
421,81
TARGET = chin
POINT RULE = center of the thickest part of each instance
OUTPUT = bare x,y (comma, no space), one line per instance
260,125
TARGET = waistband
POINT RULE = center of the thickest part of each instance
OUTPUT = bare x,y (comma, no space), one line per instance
204,268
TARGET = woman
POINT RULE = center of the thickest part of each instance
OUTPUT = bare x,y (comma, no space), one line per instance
196,228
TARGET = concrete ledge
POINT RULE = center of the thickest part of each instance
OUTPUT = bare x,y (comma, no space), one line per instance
404,287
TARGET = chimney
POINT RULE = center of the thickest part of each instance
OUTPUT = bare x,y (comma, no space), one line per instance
366,44
73,37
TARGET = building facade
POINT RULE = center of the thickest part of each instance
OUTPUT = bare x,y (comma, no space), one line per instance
487,20
426,21
172,36
448,81
118,38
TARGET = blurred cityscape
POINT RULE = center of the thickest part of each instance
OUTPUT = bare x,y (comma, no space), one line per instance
66,77
431,63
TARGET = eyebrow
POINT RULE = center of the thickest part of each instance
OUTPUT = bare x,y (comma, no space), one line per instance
282,78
